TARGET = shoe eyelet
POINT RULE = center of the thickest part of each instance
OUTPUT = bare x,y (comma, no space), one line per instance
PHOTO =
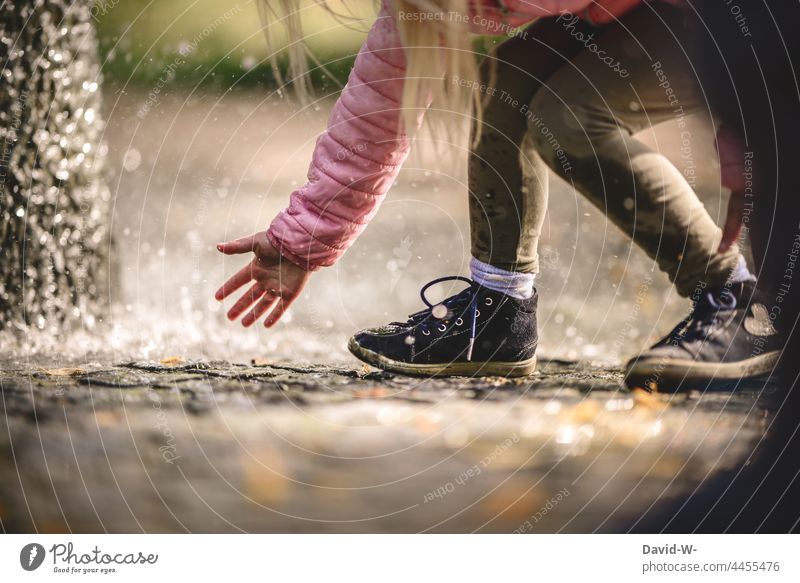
459,322
489,301
426,332
477,313
442,327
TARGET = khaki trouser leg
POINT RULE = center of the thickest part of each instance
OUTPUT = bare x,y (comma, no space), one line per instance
507,177
591,111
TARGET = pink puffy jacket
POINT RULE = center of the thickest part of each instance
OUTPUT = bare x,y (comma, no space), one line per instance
358,156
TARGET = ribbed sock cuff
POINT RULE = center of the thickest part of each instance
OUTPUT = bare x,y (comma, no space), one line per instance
512,283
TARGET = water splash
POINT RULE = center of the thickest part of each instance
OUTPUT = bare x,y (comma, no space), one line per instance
54,201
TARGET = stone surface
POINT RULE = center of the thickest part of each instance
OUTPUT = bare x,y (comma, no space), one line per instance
279,447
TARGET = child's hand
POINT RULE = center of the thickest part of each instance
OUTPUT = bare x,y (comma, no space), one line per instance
277,281
733,221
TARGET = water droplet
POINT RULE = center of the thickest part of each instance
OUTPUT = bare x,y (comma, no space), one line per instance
552,407
132,160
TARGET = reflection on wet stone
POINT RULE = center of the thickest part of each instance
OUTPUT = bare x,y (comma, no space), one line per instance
214,446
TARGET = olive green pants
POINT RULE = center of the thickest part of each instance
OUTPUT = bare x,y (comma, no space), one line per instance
568,96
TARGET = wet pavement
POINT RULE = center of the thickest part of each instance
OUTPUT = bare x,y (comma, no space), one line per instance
207,446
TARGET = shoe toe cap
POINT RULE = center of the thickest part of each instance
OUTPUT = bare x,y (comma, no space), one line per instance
650,367
370,335
386,340
662,353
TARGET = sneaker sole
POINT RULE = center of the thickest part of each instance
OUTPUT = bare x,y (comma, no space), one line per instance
482,369
673,374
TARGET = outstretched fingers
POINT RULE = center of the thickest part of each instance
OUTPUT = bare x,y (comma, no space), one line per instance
280,309
250,297
243,276
261,308
238,246
733,222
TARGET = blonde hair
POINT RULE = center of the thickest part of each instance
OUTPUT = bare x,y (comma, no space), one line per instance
441,63
275,13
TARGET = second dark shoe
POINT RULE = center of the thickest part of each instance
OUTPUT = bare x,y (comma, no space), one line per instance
728,337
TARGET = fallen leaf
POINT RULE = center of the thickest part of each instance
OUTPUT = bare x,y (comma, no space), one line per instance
372,393
263,476
512,504
642,398
106,419
586,411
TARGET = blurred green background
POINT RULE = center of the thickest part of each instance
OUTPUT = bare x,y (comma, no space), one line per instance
223,43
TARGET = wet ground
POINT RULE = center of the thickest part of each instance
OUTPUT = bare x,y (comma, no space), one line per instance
211,446
166,417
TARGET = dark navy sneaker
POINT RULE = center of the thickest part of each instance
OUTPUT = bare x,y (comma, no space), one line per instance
476,332
727,338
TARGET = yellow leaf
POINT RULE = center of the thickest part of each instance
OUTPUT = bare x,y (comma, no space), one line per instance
642,398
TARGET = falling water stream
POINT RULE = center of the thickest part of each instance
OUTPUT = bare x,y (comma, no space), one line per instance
54,203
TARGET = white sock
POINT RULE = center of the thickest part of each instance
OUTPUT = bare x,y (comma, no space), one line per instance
740,273
512,283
